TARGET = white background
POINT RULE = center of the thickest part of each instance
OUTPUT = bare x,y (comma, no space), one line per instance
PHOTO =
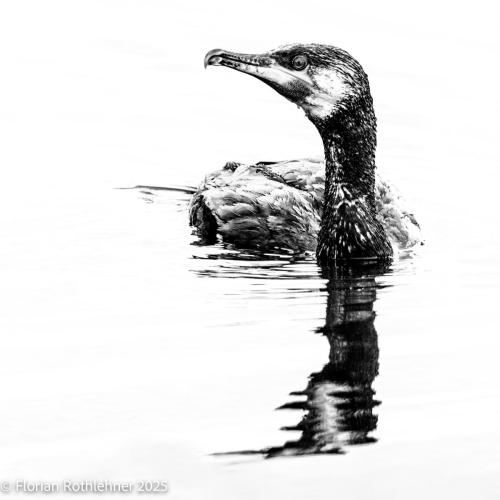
115,92
102,94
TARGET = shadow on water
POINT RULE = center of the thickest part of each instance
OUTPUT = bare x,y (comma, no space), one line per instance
338,401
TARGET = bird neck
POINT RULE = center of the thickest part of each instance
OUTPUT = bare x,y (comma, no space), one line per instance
349,141
349,227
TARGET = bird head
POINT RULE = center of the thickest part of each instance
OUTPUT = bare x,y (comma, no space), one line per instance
321,79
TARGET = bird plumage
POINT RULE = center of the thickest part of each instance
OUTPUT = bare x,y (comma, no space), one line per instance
279,205
337,208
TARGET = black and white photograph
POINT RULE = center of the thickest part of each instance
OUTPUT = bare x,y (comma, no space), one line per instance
250,250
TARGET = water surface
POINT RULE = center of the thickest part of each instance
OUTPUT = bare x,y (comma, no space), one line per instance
130,352
145,354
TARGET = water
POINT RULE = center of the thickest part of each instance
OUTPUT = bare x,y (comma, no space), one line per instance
155,357
130,352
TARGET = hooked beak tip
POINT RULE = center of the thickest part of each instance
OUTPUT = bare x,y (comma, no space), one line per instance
213,57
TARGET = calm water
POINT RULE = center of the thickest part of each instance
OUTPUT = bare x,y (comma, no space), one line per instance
129,352
145,355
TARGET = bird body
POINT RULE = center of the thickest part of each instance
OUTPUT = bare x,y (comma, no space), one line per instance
336,208
279,206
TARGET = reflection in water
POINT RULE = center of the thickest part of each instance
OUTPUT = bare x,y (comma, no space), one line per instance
257,265
338,400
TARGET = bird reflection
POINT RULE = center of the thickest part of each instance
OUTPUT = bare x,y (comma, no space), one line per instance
338,401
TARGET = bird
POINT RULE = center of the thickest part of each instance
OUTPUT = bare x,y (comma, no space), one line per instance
337,207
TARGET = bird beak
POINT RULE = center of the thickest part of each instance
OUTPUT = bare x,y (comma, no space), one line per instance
253,64
291,84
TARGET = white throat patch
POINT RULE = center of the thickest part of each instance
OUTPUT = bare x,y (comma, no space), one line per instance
323,104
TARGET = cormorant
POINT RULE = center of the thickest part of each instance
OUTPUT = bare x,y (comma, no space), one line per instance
338,208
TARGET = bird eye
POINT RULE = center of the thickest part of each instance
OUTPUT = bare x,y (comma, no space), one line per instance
299,62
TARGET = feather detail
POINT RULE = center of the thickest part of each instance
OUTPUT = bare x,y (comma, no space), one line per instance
279,205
